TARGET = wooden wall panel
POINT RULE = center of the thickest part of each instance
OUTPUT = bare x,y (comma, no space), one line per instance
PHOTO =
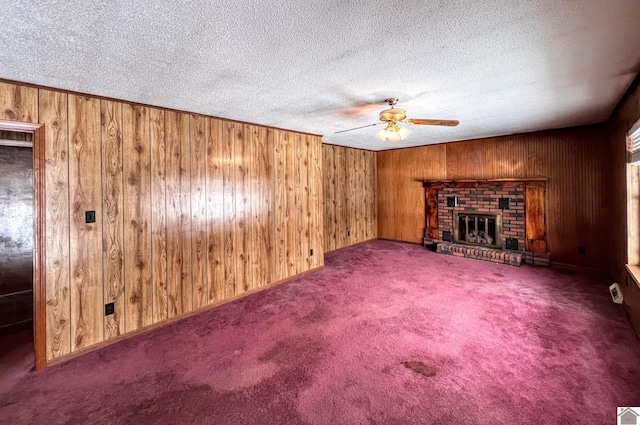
350,183
190,211
329,199
343,231
372,172
199,233
350,195
253,138
316,184
18,103
229,209
54,118
244,219
298,196
158,215
178,209
290,202
138,192
112,224
264,205
215,216
570,159
85,239
304,207
281,191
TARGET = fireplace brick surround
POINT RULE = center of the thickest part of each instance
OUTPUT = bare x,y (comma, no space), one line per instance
519,204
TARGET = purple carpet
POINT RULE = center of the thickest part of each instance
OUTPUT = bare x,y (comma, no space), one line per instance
387,333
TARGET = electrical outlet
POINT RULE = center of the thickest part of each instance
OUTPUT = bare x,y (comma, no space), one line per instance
90,216
311,252
582,250
109,309
348,232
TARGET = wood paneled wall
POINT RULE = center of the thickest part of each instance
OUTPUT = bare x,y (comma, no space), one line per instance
571,159
350,208
190,211
625,115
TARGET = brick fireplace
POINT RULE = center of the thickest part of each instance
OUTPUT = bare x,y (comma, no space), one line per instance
493,220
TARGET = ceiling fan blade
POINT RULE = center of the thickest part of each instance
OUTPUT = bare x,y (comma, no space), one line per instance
358,128
448,123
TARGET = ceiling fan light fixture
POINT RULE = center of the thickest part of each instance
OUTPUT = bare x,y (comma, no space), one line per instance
393,132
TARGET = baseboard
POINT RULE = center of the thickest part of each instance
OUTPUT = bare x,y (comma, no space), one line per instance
565,266
103,344
350,246
398,240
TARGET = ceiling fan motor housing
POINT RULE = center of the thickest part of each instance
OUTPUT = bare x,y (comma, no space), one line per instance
393,114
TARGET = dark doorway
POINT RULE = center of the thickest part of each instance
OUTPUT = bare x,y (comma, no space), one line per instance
16,241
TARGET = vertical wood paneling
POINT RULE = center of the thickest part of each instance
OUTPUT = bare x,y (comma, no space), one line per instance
229,207
158,215
243,209
53,114
253,138
329,199
349,196
19,103
341,217
316,182
197,136
349,192
189,210
215,215
85,239
305,203
297,146
372,173
268,206
568,158
112,223
178,208
139,288
264,205
290,205
281,196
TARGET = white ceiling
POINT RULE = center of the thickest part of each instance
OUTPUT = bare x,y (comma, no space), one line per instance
498,66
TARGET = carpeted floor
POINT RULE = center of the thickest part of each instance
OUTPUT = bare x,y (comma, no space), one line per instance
387,333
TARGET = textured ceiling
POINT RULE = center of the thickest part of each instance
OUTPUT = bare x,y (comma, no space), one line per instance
498,66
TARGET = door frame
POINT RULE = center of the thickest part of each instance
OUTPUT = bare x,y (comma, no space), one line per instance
39,238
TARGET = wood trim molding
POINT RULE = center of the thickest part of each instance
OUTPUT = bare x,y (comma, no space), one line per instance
39,237
349,246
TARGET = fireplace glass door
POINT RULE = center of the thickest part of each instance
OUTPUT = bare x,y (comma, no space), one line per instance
478,229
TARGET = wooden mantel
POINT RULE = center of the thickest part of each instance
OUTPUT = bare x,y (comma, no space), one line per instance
534,182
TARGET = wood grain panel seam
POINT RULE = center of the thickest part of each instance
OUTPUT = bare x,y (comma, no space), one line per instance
69,217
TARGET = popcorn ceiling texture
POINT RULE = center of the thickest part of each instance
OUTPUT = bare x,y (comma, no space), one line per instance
499,66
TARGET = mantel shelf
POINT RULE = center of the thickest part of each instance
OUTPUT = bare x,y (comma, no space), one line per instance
475,182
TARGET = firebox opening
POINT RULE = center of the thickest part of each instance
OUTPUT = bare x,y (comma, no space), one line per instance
483,229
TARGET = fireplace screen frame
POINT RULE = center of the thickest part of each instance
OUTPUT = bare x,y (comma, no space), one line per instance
497,243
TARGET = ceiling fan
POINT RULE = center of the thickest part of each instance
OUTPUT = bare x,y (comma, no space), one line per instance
394,132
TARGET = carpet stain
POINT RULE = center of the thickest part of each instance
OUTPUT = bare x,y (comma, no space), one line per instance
496,274
420,368
318,315
296,347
